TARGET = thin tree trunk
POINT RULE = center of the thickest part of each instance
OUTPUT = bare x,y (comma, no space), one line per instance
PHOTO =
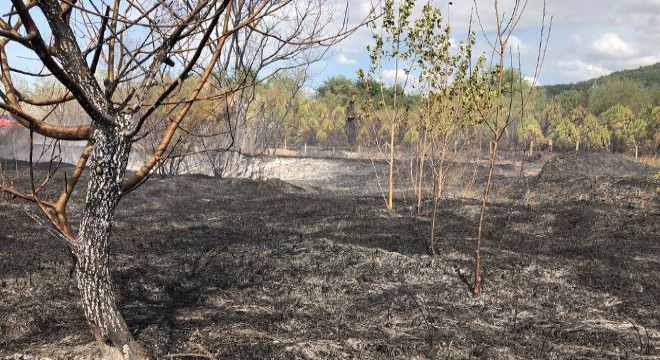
108,161
433,220
390,205
395,119
420,173
437,194
477,271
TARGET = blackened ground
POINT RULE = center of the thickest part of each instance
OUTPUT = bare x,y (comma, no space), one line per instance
240,269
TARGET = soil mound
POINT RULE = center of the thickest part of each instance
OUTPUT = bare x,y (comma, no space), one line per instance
594,177
590,165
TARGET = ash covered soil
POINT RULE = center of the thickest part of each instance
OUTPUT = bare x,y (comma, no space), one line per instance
311,267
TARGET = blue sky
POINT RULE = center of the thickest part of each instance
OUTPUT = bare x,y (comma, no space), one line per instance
589,38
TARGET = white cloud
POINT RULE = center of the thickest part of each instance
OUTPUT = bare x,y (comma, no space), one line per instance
589,38
610,52
344,60
611,45
531,80
453,44
643,61
578,70
388,75
649,27
516,45
643,5
364,9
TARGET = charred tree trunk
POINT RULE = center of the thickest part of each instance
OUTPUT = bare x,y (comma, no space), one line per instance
350,124
108,161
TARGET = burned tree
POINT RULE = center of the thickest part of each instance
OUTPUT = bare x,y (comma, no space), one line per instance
494,108
255,55
122,65
351,126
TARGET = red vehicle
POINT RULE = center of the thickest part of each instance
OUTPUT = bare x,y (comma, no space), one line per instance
6,121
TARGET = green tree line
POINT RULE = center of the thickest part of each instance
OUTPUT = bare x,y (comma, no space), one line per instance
617,115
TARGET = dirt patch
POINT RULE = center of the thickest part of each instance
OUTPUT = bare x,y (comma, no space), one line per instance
591,177
243,269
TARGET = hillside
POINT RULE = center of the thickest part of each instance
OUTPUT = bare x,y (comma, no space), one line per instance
648,75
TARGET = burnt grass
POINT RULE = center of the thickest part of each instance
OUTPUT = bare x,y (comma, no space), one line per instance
241,269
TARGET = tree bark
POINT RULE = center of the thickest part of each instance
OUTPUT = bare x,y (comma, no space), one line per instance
476,288
108,161
420,173
437,193
390,204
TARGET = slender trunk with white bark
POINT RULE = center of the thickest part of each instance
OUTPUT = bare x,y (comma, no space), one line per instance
108,161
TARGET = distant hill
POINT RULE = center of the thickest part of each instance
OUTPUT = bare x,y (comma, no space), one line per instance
648,75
